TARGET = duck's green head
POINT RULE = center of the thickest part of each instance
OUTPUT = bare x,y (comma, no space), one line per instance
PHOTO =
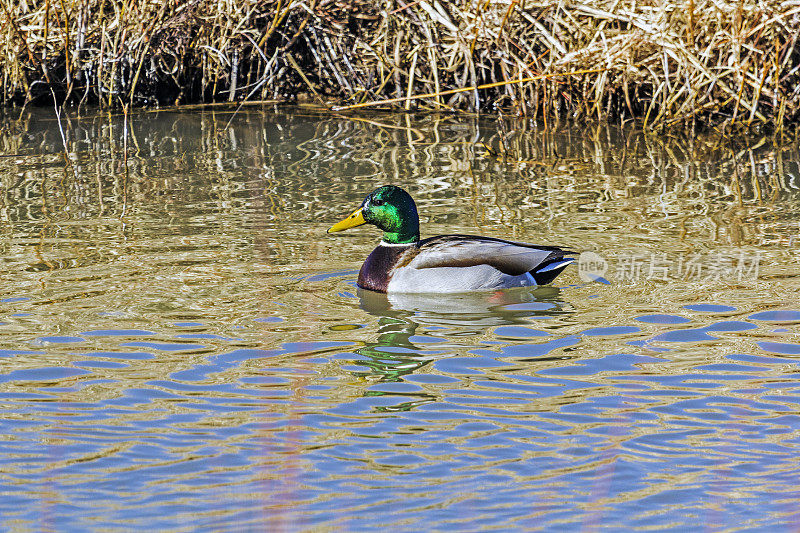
391,209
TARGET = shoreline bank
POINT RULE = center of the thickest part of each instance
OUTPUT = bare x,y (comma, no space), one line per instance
696,64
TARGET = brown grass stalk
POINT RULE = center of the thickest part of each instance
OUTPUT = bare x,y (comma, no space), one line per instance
405,99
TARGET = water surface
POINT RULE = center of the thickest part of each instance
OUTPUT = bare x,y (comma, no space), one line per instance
182,346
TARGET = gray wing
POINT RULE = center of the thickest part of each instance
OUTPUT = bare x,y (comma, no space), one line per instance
511,258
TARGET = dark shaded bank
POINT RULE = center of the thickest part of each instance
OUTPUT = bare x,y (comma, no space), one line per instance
672,64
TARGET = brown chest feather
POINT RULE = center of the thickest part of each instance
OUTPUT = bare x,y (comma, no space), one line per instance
377,270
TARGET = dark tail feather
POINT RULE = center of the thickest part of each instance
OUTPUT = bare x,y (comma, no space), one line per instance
550,269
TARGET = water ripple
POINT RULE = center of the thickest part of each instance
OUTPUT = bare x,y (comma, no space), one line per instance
183,348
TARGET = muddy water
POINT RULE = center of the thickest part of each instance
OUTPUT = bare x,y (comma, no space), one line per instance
183,347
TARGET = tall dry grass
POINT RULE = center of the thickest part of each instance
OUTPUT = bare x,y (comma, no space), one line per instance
734,64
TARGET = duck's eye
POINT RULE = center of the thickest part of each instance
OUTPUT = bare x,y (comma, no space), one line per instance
378,202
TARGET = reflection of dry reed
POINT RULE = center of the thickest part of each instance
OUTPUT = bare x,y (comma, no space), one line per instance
671,63
507,177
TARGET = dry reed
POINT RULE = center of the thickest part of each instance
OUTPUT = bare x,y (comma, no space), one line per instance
734,64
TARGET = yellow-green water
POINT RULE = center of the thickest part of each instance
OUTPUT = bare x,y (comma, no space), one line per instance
182,346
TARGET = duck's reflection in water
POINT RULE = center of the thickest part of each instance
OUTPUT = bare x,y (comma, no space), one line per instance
469,313
455,320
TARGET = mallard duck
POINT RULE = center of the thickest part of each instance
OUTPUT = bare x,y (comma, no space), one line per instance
447,263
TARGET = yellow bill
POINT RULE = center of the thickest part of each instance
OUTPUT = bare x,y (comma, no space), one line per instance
355,219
